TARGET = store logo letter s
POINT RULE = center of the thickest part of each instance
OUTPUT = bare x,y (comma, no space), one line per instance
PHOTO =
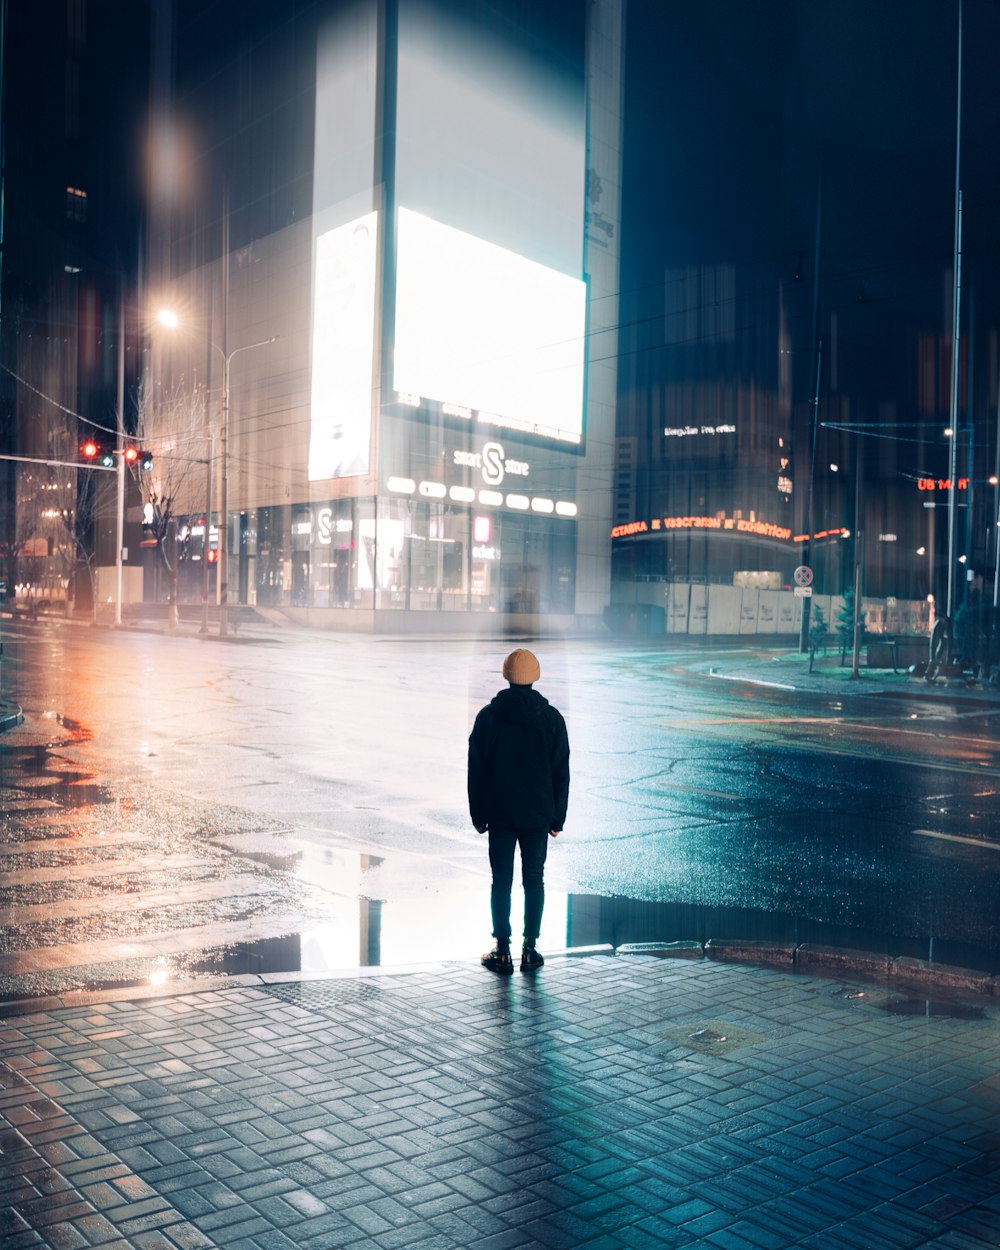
492,464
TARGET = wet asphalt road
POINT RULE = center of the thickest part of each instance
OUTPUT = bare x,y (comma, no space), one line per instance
176,806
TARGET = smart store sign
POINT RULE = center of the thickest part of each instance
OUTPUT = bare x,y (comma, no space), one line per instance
492,463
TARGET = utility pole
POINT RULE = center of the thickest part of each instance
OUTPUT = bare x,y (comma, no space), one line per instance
813,425
953,408
222,566
120,457
858,556
205,546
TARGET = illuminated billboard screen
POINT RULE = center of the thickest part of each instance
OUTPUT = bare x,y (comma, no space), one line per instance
486,332
343,349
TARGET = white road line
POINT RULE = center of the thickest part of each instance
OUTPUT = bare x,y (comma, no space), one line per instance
749,681
955,837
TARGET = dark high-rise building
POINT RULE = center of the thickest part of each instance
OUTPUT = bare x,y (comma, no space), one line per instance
74,112
788,285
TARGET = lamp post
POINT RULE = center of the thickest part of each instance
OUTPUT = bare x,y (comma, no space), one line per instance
172,321
858,560
222,566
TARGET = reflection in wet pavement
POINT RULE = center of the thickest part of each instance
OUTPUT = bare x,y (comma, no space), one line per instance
102,889
122,885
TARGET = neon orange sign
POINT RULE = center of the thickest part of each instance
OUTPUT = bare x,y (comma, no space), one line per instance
763,529
941,483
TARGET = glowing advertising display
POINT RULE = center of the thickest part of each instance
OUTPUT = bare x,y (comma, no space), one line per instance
762,529
487,332
343,349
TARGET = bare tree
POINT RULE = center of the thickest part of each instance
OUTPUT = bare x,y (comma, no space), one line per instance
172,428
95,498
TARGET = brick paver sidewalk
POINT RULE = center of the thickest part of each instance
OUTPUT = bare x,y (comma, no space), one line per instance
604,1103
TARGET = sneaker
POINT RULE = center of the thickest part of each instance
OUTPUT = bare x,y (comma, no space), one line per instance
531,960
498,960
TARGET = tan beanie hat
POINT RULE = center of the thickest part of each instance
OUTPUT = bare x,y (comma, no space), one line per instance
521,668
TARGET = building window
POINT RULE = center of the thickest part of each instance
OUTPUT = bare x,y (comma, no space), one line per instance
76,204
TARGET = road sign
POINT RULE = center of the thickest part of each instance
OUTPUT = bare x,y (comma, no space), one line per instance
803,575
803,592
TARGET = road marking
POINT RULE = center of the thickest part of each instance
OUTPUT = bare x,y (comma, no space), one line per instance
749,681
715,794
837,721
955,837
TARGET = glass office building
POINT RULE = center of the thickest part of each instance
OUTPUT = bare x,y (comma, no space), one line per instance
383,247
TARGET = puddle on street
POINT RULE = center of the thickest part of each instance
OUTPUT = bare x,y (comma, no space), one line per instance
41,773
358,932
426,926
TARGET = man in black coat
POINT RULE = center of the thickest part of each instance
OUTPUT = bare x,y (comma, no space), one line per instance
518,791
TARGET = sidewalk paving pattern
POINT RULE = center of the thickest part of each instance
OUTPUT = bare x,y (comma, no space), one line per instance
604,1103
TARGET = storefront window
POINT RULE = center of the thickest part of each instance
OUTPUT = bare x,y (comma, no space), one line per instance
301,589
274,556
333,553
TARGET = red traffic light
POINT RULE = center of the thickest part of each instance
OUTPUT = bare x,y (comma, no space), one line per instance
89,449
212,556
131,455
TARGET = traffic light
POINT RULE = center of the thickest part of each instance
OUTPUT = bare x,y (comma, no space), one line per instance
93,452
145,461
212,555
131,455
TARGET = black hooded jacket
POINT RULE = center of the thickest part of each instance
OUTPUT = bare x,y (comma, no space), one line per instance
519,763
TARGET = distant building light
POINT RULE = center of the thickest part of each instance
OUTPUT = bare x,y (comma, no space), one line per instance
433,490
565,509
542,505
887,538
408,398
520,502
492,498
462,494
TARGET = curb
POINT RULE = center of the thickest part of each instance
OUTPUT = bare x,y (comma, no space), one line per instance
868,685
10,716
902,973
253,980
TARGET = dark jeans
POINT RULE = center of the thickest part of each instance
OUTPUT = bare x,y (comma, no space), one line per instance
534,844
